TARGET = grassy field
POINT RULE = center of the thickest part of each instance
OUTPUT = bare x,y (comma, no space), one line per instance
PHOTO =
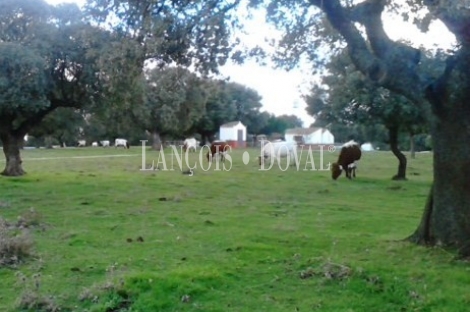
109,237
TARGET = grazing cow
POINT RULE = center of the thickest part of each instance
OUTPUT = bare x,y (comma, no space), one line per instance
81,143
220,148
190,144
94,144
121,142
104,143
350,153
277,149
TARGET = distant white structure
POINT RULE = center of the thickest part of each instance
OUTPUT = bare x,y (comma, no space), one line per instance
367,147
234,133
309,136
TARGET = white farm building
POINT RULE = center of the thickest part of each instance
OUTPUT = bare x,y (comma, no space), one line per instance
234,133
309,136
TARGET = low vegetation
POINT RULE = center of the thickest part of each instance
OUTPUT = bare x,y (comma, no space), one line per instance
109,237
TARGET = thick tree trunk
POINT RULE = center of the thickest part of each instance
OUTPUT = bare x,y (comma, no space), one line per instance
11,148
156,141
446,218
412,146
393,139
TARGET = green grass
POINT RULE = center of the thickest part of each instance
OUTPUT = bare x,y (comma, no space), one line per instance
238,240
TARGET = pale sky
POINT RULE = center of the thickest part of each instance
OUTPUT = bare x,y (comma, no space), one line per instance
280,89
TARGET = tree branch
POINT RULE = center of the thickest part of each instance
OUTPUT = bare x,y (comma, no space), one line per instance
35,119
454,14
390,64
360,55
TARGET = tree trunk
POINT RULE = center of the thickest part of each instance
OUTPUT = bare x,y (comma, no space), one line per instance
412,146
156,141
207,138
393,139
446,218
11,149
48,142
61,140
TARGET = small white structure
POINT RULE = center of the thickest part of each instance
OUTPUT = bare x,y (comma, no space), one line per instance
367,147
234,133
309,136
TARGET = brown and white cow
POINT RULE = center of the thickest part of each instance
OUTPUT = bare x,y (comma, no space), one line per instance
350,153
220,148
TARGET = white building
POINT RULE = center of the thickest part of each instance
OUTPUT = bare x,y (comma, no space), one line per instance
309,136
234,133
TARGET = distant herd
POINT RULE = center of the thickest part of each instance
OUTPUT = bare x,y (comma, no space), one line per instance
105,143
348,157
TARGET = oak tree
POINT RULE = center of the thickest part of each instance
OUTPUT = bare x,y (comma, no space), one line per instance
396,66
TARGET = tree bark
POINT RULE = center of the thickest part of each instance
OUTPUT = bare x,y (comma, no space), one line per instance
11,148
156,141
393,139
446,218
412,146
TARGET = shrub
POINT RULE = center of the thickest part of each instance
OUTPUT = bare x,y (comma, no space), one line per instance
15,244
31,298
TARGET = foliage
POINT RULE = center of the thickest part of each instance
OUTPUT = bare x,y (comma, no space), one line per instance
349,98
182,32
64,124
226,102
247,103
279,124
174,100
219,109
23,84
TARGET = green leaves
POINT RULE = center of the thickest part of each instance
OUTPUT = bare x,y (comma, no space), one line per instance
23,82
172,32
174,100
347,97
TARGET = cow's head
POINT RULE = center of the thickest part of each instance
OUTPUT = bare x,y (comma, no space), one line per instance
336,170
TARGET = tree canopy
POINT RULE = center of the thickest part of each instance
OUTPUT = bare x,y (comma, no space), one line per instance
48,60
